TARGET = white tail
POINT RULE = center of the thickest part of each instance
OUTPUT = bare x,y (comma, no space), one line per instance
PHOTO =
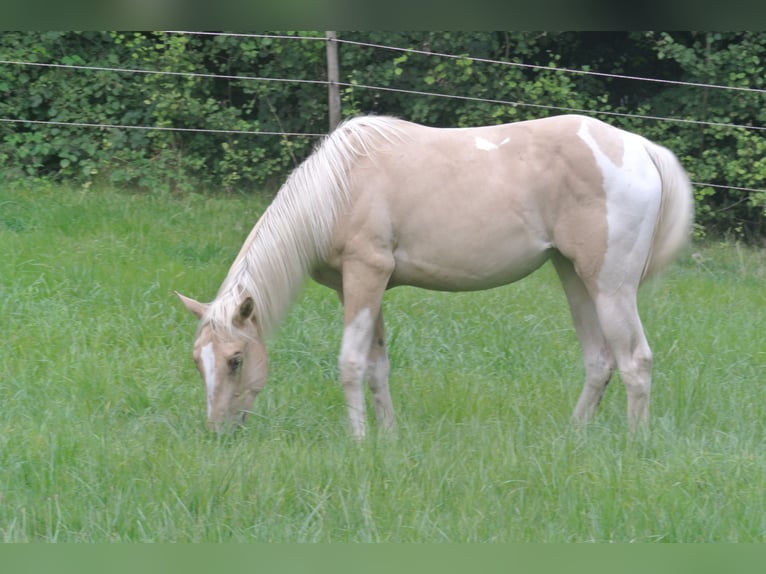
674,222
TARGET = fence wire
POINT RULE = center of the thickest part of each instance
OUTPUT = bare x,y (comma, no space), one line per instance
353,85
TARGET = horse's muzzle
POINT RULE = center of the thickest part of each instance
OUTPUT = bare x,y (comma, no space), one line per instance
227,425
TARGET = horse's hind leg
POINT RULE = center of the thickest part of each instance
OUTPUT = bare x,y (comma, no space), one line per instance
377,376
597,356
618,314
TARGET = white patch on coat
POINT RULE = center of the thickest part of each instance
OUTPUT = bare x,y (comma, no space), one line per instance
633,194
357,337
486,145
207,356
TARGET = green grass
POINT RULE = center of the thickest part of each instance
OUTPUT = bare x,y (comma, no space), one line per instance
102,432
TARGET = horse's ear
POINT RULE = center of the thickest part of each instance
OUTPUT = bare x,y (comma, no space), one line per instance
245,311
199,309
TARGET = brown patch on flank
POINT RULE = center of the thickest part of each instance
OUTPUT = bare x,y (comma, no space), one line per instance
578,217
609,141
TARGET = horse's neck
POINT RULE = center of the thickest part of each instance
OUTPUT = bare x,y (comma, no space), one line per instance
271,267
295,230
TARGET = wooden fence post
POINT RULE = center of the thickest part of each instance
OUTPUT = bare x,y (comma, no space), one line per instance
333,76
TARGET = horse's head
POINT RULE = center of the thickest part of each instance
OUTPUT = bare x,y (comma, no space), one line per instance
232,361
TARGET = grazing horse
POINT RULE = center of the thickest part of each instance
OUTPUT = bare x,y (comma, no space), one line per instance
383,202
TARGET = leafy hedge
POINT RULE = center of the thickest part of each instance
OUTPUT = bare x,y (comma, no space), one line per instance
181,161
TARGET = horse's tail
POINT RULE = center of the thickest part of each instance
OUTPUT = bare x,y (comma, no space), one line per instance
674,220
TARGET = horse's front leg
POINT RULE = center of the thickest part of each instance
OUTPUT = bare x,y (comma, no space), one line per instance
377,377
363,287
352,364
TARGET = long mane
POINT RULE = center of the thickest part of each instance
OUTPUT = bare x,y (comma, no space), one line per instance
294,232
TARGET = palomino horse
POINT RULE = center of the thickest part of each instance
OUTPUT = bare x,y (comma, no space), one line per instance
383,202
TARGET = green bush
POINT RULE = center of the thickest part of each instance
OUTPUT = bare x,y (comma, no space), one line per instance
179,161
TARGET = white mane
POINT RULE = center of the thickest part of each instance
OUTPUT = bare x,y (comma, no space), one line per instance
294,232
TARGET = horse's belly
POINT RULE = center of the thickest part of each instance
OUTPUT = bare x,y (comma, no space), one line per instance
452,267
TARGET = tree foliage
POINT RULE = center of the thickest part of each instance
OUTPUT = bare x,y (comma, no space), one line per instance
168,160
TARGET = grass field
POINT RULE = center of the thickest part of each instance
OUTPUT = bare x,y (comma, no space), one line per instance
102,433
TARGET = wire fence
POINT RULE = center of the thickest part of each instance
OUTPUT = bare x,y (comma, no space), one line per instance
478,60
415,93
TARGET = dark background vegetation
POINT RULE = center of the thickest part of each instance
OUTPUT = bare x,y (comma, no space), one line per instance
173,161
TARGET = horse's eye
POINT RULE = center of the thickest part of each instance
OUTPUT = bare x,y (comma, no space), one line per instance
235,362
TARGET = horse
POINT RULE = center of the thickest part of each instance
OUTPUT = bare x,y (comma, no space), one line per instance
382,202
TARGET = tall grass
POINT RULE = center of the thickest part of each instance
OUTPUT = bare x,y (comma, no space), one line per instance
102,435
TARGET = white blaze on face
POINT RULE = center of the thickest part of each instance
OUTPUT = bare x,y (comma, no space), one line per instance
207,356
